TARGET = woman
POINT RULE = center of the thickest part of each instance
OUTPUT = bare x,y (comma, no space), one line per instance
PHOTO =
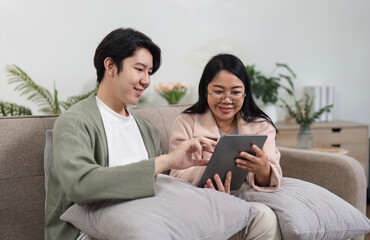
226,106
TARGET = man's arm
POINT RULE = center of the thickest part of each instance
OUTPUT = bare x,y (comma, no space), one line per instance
78,161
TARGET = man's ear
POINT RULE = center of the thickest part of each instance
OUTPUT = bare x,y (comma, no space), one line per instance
110,66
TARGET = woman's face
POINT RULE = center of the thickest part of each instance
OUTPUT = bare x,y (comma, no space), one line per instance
225,108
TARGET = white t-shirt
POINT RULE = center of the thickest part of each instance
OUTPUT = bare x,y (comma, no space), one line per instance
125,144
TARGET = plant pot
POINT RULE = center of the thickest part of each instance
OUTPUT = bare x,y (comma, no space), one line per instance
271,111
304,137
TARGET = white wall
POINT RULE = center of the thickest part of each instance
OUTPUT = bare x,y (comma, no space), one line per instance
324,42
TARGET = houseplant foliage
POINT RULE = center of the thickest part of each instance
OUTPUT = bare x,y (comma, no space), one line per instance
13,109
47,101
172,92
303,115
266,88
41,96
302,110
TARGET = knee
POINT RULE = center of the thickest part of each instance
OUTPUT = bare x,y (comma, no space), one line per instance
266,222
266,214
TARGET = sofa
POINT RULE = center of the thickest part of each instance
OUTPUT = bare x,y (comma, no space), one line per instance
22,187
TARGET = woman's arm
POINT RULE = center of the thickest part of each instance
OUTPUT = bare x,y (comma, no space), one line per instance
272,154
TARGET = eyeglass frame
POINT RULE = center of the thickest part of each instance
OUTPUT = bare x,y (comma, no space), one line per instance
228,96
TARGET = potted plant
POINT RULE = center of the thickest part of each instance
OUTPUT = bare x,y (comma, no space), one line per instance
13,109
303,115
265,88
48,101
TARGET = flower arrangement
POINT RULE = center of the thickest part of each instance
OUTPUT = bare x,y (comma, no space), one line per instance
172,92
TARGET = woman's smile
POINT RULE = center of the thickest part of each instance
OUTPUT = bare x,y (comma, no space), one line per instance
225,109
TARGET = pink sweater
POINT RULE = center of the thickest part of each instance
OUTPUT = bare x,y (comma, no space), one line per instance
187,126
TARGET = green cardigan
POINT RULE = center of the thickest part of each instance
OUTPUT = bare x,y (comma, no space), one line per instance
79,171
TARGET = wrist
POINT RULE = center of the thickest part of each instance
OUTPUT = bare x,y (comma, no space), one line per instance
161,164
263,178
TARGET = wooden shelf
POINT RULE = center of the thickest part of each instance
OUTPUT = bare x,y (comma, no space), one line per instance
347,135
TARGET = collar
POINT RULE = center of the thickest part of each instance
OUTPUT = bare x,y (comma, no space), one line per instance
205,125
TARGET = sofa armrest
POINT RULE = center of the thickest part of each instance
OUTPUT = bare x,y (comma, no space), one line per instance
340,174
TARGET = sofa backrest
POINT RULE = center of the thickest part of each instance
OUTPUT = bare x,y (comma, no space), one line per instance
22,191
162,118
22,187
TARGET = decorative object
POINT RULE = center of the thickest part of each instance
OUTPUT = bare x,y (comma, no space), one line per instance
265,88
304,137
172,92
48,102
302,114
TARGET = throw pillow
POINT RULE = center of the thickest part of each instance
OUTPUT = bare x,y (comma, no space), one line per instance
177,211
48,154
308,211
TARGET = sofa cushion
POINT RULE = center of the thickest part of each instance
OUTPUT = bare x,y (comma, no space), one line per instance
308,211
177,211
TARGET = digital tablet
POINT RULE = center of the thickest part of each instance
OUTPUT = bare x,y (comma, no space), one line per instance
224,155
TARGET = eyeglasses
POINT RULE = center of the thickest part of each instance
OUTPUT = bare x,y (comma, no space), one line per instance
218,96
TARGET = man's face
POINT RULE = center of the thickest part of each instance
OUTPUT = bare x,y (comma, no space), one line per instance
134,78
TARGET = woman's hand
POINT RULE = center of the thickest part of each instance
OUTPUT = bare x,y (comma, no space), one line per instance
181,157
258,165
220,186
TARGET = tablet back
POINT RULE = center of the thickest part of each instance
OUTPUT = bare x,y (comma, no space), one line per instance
223,159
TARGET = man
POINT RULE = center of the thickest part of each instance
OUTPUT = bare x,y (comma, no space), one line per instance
104,150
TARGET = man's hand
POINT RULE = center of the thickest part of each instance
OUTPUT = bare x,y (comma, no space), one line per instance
181,157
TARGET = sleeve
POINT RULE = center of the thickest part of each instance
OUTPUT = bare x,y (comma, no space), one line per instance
182,130
273,155
77,161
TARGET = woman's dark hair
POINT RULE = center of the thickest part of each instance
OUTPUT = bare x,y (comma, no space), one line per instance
120,44
250,112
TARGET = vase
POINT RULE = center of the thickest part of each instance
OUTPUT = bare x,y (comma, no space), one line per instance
304,138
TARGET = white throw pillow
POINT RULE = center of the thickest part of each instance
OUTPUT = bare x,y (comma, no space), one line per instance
308,211
177,211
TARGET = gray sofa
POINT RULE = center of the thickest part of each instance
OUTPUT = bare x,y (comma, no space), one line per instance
22,190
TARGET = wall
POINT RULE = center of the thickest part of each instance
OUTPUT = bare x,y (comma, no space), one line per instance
324,42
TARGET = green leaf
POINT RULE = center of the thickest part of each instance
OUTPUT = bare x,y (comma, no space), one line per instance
38,94
75,99
12,109
266,88
284,65
47,102
302,113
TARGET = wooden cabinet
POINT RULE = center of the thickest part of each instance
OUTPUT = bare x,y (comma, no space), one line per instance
351,136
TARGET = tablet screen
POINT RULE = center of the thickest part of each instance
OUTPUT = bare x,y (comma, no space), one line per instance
223,158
